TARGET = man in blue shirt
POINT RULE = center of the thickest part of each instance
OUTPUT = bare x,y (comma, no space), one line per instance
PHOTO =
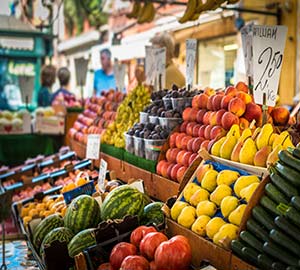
104,78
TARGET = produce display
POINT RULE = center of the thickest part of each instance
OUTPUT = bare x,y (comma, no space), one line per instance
12,121
212,205
69,101
30,191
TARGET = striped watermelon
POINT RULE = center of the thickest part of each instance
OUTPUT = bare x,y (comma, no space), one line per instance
123,201
153,214
81,241
60,234
82,213
45,226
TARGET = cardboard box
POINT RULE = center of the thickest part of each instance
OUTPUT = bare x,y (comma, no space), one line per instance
50,125
16,127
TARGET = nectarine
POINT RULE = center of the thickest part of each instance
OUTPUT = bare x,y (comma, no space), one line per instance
229,119
241,86
225,101
200,116
202,101
207,132
230,91
237,106
196,144
196,130
206,118
180,173
186,114
253,111
217,99
179,138
185,140
183,126
192,158
280,116
189,128
174,171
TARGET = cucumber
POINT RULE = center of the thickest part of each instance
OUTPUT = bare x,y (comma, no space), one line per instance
274,193
287,227
237,246
261,216
293,215
295,201
264,262
292,268
257,230
288,173
280,254
285,241
283,185
251,255
269,205
294,151
287,158
278,266
251,240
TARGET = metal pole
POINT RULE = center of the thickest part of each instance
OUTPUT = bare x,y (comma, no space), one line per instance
3,266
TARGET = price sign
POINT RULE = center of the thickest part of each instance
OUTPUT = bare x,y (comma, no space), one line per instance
102,173
93,146
191,47
268,48
247,40
119,72
150,68
160,62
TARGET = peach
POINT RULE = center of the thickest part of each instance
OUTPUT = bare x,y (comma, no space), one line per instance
244,123
209,104
201,131
196,130
221,92
200,116
206,118
172,140
209,91
170,167
244,97
241,86
204,145
219,115
185,140
196,144
180,173
179,158
217,132
229,119
225,101
280,116
237,106
183,126
192,158
186,114
169,153
186,158
164,169
179,138
173,154
189,128
217,99
231,91
193,115
195,102
213,118
190,144
253,111
207,132
202,101
174,171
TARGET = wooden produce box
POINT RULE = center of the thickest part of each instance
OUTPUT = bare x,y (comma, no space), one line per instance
164,188
113,164
79,148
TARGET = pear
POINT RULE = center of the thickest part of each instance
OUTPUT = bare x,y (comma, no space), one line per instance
245,135
273,137
273,156
225,235
199,196
177,208
234,131
219,193
236,215
199,225
215,150
189,190
248,152
206,208
227,177
213,226
227,147
280,139
187,216
228,204
264,136
255,133
209,180
247,192
235,155
244,181
202,170
287,143
261,156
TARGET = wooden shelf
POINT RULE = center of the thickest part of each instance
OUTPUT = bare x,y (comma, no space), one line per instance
164,188
79,148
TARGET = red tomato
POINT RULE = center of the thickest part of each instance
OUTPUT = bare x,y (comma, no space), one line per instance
135,263
150,242
139,233
119,253
104,266
180,238
173,254
153,265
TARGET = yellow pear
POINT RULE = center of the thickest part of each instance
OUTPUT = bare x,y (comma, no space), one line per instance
177,208
244,181
189,190
199,226
245,135
273,156
287,143
264,136
273,137
261,156
235,154
227,147
202,170
206,208
219,193
227,177
280,139
228,204
247,192
187,216
255,133
215,150
209,180
213,226
234,131
199,196
248,152
225,235
236,215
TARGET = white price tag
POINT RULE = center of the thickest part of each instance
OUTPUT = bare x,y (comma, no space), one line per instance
150,68
119,72
247,40
191,47
268,49
93,146
139,185
160,62
102,173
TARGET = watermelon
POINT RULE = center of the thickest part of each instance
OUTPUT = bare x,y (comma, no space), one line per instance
44,227
153,214
123,201
81,241
60,234
82,213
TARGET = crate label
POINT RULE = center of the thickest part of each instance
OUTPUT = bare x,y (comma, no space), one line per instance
102,174
191,47
93,146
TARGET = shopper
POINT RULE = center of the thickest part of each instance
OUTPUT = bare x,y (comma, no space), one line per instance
47,80
63,75
173,74
104,78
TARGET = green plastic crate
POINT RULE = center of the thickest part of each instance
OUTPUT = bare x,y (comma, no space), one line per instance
145,164
112,151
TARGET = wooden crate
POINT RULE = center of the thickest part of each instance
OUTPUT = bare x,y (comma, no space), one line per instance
78,147
238,264
113,164
202,249
164,188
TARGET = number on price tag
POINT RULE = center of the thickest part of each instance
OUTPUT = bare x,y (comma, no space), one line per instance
191,47
150,68
160,62
268,48
102,174
247,39
93,146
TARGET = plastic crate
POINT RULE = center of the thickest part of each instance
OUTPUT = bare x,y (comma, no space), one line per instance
87,189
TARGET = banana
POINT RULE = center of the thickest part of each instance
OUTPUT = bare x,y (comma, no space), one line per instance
217,4
146,13
135,10
152,14
232,1
189,12
208,5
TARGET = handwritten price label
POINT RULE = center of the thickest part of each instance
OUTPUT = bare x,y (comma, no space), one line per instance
93,146
102,173
247,40
119,72
191,47
160,62
150,67
268,48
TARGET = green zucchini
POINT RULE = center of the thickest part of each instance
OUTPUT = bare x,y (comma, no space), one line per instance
237,245
287,227
257,230
294,151
287,158
280,254
288,173
262,217
278,266
293,215
251,240
292,268
269,205
295,201
274,193
264,262
285,241
283,185
251,255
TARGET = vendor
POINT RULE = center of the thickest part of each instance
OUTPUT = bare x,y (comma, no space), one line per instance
47,80
104,78
173,74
